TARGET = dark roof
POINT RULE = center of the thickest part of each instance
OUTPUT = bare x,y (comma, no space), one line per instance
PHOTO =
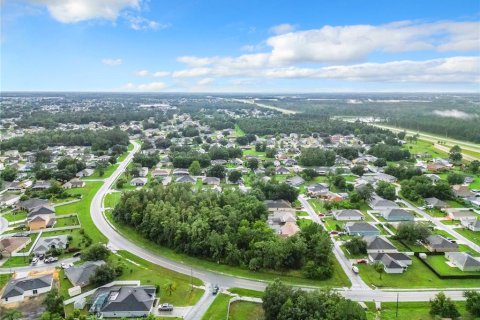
436,241
378,243
272,204
16,287
33,203
129,299
399,256
360,226
80,275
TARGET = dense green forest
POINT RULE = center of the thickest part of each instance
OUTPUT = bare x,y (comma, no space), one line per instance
98,140
228,228
455,116
304,124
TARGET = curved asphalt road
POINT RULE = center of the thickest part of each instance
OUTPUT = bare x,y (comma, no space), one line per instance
358,292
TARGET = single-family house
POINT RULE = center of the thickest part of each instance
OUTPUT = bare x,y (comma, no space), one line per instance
9,245
80,275
473,225
294,181
85,173
41,185
462,191
282,170
378,203
17,290
213,181
435,203
348,215
45,244
361,229
437,243
125,301
186,179
397,214
138,182
463,261
378,244
74,183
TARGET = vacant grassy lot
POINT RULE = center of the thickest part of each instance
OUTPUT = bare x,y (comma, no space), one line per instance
246,292
409,311
66,221
245,310
112,199
82,208
422,146
218,309
416,276
15,215
106,173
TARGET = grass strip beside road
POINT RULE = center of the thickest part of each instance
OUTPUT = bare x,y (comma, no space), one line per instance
218,309
246,310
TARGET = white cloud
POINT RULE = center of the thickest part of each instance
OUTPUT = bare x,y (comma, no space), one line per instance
454,113
282,28
141,23
149,87
161,74
146,73
444,70
71,11
205,81
112,62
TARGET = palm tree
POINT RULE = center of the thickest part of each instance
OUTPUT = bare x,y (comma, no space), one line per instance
170,287
378,266
12,315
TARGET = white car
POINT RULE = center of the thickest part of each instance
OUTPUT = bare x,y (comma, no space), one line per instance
355,269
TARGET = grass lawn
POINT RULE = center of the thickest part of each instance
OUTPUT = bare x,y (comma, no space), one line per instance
246,292
218,309
252,152
416,276
439,263
66,221
16,262
302,214
33,237
111,199
332,224
443,233
317,205
470,235
435,213
15,216
4,279
422,146
238,131
409,311
151,274
476,183
125,154
245,310
82,209
106,173
339,278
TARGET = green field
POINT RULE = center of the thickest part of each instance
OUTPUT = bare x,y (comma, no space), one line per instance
106,173
246,292
4,279
416,276
408,311
245,310
111,199
16,262
422,146
469,234
339,278
15,216
218,309
238,131
82,209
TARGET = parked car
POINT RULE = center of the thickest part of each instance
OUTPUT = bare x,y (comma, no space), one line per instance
77,254
215,290
51,259
362,260
355,269
334,232
34,261
165,307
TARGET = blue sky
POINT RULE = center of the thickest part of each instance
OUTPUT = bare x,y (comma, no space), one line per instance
240,46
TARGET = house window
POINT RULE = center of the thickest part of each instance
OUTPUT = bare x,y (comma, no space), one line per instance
35,291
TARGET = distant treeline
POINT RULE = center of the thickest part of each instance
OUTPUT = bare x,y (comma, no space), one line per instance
98,140
304,124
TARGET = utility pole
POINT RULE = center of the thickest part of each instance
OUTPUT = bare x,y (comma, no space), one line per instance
396,313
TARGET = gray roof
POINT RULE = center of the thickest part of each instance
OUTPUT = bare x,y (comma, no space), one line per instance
378,243
382,203
348,213
45,244
435,241
435,202
80,275
186,179
360,227
127,298
463,259
390,263
33,203
17,287
397,213
271,204
399,256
